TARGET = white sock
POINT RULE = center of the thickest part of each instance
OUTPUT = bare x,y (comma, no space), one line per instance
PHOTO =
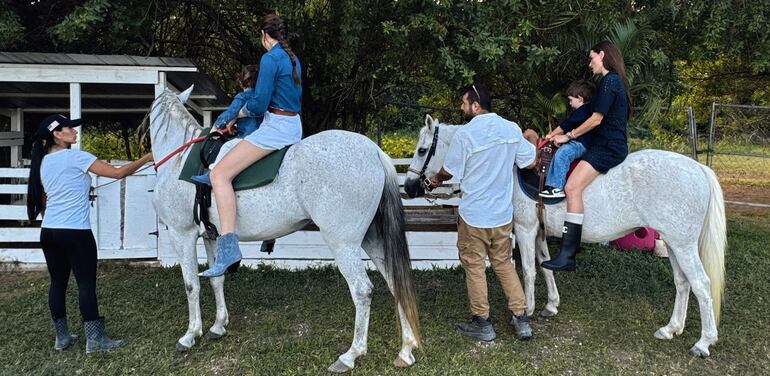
576,218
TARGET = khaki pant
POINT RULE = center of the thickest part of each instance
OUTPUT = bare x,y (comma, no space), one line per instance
475,245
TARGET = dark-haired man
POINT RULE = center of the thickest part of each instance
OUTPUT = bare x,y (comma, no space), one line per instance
482,155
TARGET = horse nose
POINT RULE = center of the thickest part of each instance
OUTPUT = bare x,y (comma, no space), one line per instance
413,188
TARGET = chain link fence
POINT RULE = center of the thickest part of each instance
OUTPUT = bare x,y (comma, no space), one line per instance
738,150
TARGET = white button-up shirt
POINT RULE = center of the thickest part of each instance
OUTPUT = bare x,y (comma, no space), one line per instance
482,156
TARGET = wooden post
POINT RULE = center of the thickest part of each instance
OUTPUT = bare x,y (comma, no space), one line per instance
206,119
17,125
75,111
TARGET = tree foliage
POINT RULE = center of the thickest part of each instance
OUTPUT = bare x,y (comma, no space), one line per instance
358,56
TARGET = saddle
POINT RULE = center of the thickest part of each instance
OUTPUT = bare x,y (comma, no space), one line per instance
532,181
203,154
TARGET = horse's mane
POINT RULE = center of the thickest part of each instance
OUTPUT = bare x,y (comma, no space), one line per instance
165,110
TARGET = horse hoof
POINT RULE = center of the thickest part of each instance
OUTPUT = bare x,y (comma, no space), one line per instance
547,313
339,367
211,336
400,363
662,334
181,348
694,351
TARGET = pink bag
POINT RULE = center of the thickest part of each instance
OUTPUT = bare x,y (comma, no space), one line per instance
642,239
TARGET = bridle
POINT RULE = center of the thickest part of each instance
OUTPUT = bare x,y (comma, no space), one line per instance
424,181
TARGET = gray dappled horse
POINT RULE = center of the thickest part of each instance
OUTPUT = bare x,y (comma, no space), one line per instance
339,180
671,193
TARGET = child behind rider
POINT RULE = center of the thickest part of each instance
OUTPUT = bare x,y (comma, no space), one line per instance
579,94
246,80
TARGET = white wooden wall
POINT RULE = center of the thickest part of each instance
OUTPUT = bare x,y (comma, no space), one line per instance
123,220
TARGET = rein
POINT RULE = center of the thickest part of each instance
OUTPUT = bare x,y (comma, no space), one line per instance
157,164
177,151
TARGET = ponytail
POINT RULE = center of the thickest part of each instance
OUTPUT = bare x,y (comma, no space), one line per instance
285,46
274,26
35,192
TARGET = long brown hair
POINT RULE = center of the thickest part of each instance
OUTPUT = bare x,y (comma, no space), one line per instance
274,26
613,60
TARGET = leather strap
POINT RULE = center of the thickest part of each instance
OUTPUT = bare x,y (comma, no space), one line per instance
279,111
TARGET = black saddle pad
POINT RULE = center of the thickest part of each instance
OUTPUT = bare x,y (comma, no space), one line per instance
261,173
529,181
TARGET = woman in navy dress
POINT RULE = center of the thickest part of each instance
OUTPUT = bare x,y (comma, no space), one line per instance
612,107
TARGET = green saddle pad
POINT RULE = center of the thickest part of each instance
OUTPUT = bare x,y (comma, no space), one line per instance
258,174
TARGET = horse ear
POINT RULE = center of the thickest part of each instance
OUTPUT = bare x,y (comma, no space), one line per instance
185,95
429,122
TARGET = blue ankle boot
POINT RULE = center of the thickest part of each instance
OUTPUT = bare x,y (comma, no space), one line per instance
228,256
203,178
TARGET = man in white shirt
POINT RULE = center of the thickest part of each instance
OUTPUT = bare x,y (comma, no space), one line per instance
482,155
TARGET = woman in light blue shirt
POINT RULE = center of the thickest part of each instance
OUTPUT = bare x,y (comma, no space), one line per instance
57,189
277,95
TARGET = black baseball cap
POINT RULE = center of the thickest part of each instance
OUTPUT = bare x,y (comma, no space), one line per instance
56,122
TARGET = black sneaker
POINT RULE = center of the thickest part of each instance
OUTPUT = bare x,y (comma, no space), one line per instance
553,193
478,328
521,326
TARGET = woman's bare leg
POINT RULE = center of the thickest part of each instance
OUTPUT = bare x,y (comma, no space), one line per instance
243,155
577,182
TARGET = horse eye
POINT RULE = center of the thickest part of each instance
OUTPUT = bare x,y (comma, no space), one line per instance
421,151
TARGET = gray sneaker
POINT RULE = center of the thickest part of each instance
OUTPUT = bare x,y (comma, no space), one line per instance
478,328
521,326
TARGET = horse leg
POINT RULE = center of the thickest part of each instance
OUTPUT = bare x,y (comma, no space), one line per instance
353,269
217,330
690,263
184,243
552,307
525,238
408,342
678,316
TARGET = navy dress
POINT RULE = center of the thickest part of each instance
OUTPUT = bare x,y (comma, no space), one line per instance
609,146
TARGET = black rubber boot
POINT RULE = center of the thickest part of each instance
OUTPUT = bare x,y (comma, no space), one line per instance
570,245
478,328
96,337
63,337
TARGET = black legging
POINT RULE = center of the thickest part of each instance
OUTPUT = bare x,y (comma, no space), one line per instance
65,250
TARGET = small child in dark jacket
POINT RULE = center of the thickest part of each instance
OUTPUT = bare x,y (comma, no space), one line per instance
579,94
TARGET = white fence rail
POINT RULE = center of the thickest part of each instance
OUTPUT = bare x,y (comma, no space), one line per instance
125,227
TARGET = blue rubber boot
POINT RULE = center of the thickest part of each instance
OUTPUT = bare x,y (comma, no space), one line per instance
228,256
203,178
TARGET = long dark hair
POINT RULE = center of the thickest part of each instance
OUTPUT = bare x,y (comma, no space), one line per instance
274,26
247,79
40,147
613,60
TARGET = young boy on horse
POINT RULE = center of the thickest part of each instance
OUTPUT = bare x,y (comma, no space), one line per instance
579,94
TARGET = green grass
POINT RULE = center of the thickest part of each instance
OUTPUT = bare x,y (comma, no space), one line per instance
289,323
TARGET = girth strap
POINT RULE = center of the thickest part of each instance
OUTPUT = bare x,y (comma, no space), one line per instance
546,150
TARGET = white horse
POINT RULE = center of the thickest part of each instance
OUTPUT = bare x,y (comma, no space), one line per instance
671,193
339,180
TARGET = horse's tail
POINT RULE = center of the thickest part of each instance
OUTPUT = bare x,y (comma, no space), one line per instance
713,241
390,225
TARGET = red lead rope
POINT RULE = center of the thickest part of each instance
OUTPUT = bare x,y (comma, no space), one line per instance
177,151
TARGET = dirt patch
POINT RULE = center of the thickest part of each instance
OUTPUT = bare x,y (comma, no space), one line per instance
747,193
20,282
